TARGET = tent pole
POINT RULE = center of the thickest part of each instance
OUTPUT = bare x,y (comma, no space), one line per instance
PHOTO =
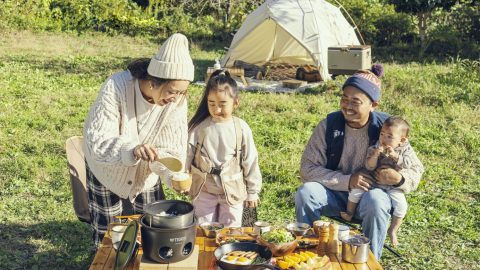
352,21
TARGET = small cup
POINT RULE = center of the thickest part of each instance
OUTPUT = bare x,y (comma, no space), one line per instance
116,233
343,232
181,181
260,227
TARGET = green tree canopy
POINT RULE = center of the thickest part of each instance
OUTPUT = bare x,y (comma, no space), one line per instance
422,9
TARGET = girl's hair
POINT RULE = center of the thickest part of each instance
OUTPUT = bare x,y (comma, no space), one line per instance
397,121
220,80
138,68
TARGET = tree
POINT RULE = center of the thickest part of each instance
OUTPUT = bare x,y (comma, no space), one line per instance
422,9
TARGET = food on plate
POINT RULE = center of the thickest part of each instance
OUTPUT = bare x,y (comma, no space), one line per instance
240,257
278,236
210,229
307,243
304,260
214,227
314,264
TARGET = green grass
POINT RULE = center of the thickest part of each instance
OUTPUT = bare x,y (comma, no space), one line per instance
48,82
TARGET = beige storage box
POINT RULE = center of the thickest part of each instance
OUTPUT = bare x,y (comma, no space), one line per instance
346,60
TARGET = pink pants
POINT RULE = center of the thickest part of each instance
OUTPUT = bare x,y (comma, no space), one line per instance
214,208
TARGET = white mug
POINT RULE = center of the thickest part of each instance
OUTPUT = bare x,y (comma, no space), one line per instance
116,232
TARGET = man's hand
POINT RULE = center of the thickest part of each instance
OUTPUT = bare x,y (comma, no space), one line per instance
251,204
387,176
360,181
145,152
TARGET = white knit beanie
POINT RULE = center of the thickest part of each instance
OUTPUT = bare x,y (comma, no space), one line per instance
173,60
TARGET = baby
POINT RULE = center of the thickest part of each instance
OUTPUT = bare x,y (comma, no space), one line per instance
393,151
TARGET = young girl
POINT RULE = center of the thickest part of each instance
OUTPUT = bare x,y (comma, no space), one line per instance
222,157
393,151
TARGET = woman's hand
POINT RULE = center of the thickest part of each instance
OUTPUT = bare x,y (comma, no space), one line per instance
360,181
387,176
251,204
145,152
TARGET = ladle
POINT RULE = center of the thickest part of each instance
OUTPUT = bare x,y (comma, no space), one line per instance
171,163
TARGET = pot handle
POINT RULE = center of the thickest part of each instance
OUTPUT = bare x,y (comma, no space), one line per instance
354,249
150,220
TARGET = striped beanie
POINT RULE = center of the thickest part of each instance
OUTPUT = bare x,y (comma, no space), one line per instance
368,81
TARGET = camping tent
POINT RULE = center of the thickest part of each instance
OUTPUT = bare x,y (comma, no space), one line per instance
298,32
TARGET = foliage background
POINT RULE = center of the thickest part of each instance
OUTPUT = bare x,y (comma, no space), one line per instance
51,73
453,31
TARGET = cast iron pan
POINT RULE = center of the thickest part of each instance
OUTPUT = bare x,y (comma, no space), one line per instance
262,261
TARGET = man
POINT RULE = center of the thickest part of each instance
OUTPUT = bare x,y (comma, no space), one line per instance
336,152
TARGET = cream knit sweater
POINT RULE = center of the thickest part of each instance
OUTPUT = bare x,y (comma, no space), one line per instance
110,135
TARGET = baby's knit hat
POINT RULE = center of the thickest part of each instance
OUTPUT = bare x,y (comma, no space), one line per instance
367,81
173,60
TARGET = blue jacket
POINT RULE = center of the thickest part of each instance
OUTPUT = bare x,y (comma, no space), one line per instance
335,134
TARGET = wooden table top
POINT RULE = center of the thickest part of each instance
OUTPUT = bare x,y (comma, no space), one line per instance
105,257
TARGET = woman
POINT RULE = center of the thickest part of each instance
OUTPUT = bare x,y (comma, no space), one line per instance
140,115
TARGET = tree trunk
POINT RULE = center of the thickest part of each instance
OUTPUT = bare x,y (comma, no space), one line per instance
422,30
227,14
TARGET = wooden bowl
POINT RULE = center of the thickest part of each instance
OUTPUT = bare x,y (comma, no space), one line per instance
279,250
211,229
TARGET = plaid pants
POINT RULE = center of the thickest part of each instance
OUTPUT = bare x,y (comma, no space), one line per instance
104,205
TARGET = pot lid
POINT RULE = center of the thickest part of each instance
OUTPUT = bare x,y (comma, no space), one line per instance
127,247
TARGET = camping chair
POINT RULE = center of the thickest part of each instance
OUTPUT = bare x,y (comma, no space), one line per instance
356,224
78,177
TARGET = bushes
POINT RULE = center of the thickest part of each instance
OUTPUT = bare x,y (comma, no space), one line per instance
456,33
33,15
394,28
365,13
197,19
452,32
111,16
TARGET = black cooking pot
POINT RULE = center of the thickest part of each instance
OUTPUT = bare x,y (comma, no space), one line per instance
169,214
262,261
167,245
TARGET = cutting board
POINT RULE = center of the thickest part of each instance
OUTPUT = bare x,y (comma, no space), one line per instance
191,263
